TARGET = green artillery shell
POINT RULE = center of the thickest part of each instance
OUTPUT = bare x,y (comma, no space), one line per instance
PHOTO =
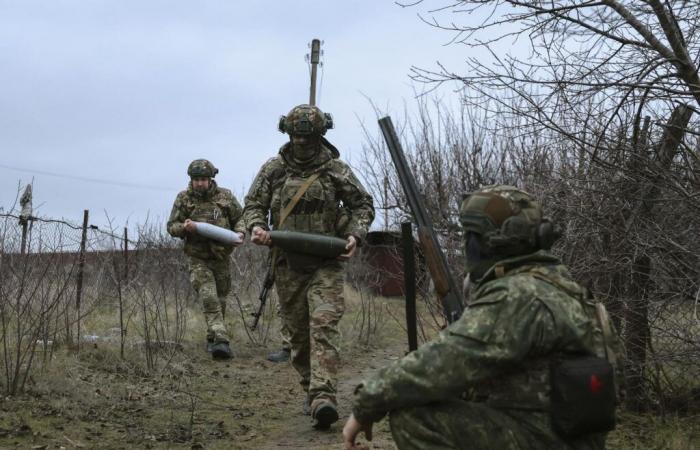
308,243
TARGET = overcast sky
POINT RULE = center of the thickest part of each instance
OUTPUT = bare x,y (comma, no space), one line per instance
132,91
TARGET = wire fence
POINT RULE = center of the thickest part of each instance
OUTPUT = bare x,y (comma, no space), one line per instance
64,285
55,235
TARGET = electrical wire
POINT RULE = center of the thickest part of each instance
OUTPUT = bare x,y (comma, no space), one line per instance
90,180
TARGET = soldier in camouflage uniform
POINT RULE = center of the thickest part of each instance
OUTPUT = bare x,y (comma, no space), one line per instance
484,383
310,291
209,263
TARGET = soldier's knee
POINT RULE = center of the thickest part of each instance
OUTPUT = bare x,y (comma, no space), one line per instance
327,315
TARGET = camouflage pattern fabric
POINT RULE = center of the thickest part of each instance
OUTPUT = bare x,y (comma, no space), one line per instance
458,424
311,306
201,168
319,210
523,313
211,280
216,206
285,335
208,260
311,298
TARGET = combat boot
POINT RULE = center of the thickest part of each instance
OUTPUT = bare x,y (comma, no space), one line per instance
221,350
324,414
210,345
281,355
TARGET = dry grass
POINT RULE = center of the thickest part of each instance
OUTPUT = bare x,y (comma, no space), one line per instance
96,399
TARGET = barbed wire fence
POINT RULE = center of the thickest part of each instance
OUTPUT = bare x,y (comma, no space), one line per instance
74,286
55,274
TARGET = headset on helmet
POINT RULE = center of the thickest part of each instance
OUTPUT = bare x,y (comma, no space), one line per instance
201,168
508,220
305,120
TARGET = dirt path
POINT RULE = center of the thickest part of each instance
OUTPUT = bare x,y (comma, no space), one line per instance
295,432
96,400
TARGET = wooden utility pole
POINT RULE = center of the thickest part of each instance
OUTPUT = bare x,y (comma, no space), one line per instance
25,215
315,58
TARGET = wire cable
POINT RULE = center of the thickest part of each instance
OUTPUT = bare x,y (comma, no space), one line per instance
89,180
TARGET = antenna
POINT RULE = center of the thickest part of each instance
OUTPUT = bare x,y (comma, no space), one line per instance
315,57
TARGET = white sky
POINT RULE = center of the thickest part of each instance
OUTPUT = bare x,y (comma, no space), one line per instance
132,91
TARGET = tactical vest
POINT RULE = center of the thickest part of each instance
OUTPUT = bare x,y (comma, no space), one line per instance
214,209
317,210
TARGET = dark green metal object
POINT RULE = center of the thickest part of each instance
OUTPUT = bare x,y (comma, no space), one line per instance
308,243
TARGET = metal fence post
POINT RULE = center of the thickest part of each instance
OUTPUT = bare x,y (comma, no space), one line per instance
121,293
81,267
409,280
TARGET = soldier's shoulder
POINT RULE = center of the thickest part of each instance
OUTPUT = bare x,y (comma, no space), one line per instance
223,195
511,288
338,167
338,164
272,167
223,192
182,196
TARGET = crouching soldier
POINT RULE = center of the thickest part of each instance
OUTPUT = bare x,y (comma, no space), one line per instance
529,365
209,263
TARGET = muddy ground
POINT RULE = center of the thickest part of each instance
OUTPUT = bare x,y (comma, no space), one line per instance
95,399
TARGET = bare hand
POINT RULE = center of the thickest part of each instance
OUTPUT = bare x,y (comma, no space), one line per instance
349,249
241,236
353,428
260,237
190,226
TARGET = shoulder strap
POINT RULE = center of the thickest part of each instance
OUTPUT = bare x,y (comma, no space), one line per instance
297,196
285,213
604,321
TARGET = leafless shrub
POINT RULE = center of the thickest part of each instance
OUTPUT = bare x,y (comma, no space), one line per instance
630,214
363,277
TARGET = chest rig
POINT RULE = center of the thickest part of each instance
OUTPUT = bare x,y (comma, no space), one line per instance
315,211
211,209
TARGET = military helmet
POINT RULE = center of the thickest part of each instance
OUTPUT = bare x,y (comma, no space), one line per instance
202,168
305,120
508,221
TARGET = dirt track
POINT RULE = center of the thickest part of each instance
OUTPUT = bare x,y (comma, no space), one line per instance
95,400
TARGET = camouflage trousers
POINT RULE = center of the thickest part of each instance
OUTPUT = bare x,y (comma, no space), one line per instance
476,426
211,280
311,305
284,332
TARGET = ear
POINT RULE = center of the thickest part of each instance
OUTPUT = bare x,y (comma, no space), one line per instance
282,125
547,234
327,122
521,229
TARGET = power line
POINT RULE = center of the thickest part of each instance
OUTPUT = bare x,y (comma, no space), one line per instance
90,180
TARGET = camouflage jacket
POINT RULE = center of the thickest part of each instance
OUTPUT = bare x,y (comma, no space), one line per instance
523,312
216,206
335,204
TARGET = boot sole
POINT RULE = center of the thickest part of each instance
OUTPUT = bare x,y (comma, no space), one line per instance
325,416
221,355
218,353
276,359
